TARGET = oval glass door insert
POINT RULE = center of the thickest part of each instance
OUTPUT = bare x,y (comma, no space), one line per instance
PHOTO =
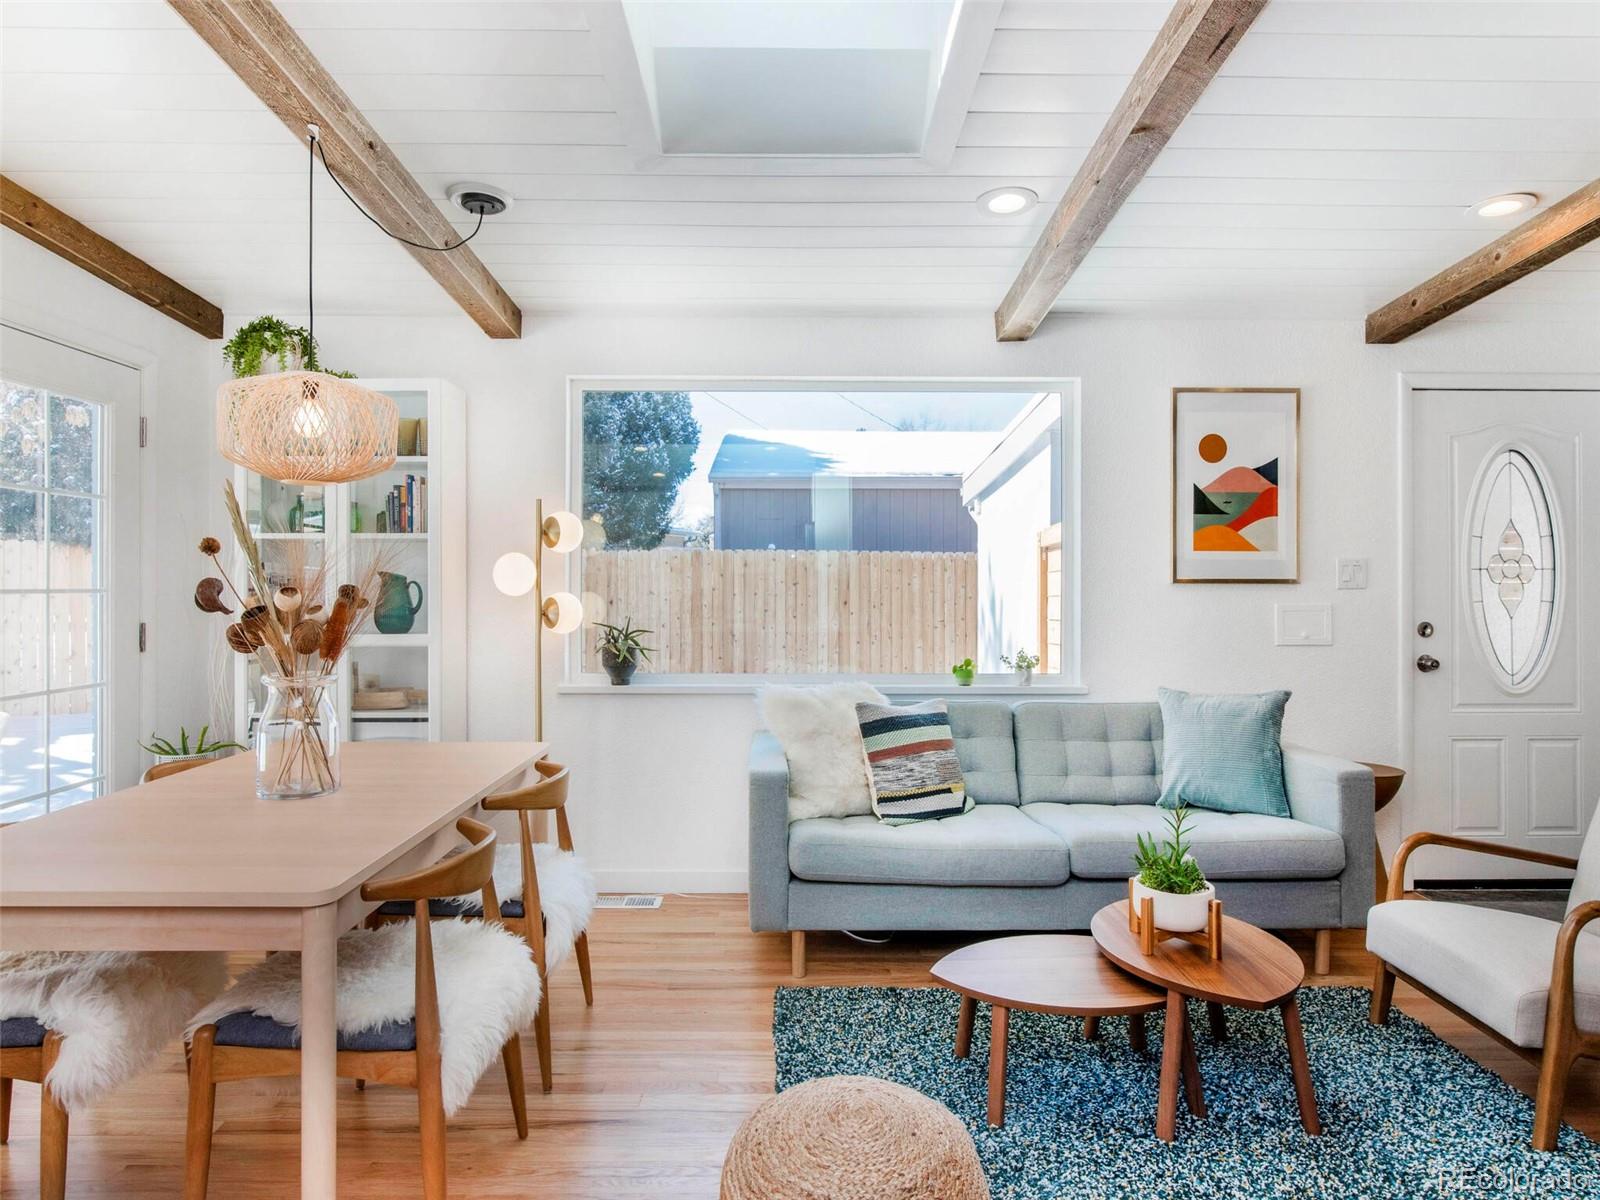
1511,566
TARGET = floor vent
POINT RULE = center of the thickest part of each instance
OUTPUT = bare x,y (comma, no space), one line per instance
634,901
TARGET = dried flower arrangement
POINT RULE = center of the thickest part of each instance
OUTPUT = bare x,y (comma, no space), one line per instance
285,623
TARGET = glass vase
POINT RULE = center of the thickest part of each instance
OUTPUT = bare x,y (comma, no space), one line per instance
297,738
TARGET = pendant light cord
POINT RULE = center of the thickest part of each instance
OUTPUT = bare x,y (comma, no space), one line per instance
316,147
311,236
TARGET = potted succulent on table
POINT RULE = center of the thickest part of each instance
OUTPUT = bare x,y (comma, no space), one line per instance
166,750
1169,875
1024,664
621,649
964,671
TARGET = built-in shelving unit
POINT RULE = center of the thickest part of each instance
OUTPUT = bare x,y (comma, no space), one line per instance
428,659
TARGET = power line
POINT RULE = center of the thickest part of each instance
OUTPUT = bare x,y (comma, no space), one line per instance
866,410
734,410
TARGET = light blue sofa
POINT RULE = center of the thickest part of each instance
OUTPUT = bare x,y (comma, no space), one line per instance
1062,790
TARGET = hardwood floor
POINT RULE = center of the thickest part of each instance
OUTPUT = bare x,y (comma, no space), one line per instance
650,1084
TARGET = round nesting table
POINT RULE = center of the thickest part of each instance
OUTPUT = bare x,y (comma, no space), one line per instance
1256,971
1047,973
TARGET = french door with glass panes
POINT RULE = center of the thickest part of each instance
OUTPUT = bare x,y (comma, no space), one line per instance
69,575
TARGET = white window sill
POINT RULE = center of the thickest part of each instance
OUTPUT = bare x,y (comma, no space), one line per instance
643,686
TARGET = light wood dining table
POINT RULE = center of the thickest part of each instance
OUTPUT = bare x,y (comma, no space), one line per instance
196,861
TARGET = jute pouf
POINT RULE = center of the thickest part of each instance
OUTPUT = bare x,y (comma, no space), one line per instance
852,1138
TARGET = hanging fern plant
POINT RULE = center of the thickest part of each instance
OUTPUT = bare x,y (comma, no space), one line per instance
270,339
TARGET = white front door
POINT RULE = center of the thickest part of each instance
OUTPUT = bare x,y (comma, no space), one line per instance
69,575
1506,572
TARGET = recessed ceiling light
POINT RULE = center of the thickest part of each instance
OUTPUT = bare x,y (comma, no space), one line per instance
1504,205
1007,201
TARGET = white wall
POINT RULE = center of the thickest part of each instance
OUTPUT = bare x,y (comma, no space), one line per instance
661,791
180,372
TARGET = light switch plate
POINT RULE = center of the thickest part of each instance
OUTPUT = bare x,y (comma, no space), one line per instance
1303,624
1352,573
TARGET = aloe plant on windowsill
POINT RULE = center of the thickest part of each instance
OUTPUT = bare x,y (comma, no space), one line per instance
1169,875
621,650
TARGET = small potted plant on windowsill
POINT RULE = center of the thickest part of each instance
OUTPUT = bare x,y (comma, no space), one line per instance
1024,664
621,650
1169,875
964,672
166,750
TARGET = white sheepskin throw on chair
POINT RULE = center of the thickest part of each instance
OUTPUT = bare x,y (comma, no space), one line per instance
566,894
113,1010
488,990
817,729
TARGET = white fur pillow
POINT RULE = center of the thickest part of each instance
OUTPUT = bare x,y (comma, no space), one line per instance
822,741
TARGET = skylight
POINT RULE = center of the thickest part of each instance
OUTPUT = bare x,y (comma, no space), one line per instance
756,77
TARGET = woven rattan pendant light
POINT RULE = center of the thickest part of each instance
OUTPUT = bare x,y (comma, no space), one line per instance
306,426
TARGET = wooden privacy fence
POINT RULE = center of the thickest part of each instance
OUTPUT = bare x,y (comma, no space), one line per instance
819,612
36,630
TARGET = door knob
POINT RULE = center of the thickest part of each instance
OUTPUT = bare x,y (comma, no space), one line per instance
1426,663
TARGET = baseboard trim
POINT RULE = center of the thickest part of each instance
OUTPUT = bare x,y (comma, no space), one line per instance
645,879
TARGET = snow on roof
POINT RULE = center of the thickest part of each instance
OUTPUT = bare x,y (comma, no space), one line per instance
753,454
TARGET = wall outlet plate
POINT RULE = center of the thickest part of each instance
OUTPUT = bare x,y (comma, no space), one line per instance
1352,573
1303,624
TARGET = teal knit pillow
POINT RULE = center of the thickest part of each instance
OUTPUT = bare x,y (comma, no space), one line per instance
1222,752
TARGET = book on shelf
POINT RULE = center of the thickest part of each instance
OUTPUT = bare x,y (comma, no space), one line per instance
406,507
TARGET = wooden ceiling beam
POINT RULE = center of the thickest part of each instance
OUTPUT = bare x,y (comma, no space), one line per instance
1559,229
252,37
40,221
1193,44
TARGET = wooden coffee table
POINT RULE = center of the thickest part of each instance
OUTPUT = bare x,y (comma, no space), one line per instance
1256,971
1048,973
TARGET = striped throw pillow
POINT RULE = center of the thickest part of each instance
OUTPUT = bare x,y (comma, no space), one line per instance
911,762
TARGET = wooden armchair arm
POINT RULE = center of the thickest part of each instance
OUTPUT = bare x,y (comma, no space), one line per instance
1561,1015
1397,873
550,792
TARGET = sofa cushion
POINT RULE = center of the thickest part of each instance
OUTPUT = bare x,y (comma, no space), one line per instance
987,749
1088,753
1492,963
1102,838
992,845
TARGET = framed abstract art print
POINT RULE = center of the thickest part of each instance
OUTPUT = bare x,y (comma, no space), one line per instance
1235,485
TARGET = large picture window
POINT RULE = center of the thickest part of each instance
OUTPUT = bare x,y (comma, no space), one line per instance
807,530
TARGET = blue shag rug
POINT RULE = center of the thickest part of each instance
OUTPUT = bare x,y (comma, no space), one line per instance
1405,1116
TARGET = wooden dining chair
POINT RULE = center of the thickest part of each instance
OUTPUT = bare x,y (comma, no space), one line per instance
91,1021
559,868
547,794
162,770
245,1046
27,1052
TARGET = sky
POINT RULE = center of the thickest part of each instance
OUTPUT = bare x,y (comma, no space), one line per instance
727,409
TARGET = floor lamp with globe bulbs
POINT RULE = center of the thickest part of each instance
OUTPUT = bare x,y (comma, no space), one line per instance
515,574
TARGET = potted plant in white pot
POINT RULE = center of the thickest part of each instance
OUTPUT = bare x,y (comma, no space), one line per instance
166,750
621,650
1169,875
1024,664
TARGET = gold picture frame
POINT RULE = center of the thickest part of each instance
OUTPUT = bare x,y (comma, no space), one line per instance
1235,519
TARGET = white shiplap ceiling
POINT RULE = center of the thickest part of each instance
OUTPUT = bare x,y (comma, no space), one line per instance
1325,170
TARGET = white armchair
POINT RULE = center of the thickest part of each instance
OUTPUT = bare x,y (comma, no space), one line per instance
1530,983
